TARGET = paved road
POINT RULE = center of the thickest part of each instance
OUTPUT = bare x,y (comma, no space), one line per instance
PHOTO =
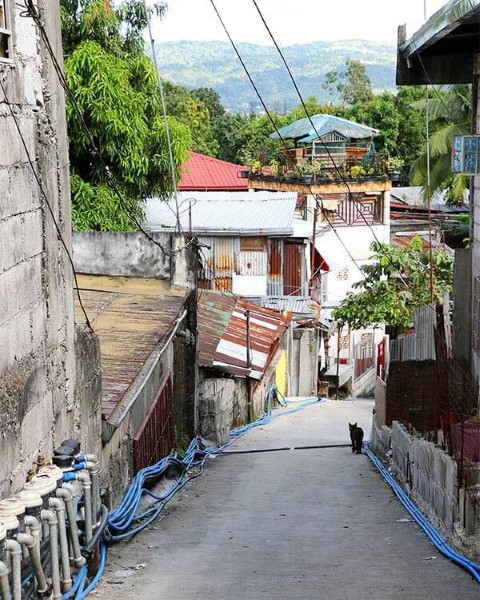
302,524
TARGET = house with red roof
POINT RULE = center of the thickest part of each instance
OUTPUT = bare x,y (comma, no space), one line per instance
204,173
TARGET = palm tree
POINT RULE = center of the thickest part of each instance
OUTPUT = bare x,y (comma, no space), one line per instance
449,114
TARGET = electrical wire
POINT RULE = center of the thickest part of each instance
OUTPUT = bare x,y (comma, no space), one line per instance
32,12
45,199
337,169
400,275
276,128
164,110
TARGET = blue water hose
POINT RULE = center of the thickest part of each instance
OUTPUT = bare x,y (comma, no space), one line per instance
436,539
124,522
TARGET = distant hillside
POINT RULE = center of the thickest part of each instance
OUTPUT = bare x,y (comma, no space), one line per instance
215,65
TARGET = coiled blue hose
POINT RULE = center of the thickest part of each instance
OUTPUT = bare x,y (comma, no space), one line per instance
436,539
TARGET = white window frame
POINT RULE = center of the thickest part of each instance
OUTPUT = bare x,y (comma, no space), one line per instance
6,29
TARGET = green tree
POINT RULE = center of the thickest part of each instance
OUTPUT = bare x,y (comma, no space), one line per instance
396,283
352,84
449,114
212,101
381,113
229,132
411,128
189,108
117,110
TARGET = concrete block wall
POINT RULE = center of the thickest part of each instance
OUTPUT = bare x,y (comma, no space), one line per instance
304,362
222,405
429,475
37,363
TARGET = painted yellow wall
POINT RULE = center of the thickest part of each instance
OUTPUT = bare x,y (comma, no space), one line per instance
281,374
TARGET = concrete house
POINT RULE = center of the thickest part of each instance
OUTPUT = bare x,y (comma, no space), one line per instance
343,206
43,388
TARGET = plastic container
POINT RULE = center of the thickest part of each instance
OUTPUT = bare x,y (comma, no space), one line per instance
13,507
44,485
53,471
33,502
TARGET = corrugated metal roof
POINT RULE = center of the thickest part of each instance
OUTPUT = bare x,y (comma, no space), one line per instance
298,305
303,130
402,240
437,27
222,329
205,173
224,213
131,317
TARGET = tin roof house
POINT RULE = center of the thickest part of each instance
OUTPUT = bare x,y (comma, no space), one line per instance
249,247
246,240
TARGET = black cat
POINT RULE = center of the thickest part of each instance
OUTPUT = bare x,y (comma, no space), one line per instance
356,435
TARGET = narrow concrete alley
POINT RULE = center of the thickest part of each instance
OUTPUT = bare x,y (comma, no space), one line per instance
263,522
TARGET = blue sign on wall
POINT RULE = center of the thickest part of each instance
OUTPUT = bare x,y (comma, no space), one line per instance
466,154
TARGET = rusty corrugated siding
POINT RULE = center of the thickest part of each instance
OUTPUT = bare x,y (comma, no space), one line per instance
131,317
275,271
251,262
214,311
217,256
222,328
266,328
292,270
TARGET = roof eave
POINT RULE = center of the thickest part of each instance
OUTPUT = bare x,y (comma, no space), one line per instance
417,60
285,232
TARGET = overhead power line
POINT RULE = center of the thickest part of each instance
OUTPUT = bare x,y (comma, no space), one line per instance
275,125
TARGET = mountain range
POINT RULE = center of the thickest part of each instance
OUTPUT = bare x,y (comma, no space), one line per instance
216,65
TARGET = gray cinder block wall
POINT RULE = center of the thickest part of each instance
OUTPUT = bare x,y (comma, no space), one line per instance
430,476
37,363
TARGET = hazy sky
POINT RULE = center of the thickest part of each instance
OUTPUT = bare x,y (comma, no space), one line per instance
292,21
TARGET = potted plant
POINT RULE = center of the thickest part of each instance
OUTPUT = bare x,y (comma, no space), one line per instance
394,166
304,169
275,167
357,171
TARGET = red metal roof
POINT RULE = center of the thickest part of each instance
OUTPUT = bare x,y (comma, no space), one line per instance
204,173
222,328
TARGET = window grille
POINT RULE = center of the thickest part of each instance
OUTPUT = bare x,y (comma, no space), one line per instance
5,30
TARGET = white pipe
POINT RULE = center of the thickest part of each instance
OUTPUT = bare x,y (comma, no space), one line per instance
59,507
84,478
48,516
92,466
35,528
65,493
30,542
4,586
15,551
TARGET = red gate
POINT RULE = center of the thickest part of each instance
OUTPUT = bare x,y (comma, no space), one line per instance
154,439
